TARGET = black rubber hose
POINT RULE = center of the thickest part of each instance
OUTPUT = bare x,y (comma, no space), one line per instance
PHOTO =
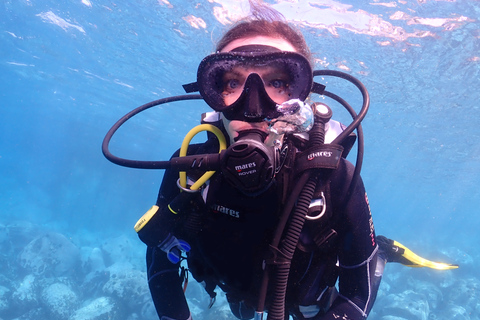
360,147
366,99
138,163
287,209
277,309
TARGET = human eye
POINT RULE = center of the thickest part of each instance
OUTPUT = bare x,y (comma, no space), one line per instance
276,79
279,84
231,83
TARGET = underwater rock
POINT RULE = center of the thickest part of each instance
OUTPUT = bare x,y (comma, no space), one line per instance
23,230
148,310
37,313
20,233
406,305
465,293
452,312
94,268
51,254
125,283
117,249
448,280
4,297
458,256
429,290
92,259
93,283
95,262
103,308
60,300
25,296
383,289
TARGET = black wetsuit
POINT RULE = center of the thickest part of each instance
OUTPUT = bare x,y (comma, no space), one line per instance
229,248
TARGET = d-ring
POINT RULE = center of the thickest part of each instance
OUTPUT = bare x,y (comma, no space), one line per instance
186,189
324,208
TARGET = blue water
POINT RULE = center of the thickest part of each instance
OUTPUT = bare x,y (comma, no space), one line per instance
69,70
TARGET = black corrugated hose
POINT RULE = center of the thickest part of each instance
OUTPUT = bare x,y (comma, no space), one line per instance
288,245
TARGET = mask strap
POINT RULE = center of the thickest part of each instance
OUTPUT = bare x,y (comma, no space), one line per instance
191,87
256,48
316,88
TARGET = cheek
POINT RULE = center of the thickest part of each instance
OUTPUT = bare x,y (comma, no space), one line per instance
232,133
229,127
230,98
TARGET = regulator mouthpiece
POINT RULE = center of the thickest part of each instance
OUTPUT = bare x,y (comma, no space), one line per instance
297,116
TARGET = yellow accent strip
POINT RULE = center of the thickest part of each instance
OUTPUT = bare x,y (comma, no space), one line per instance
171,210
145,218
183,152
419,262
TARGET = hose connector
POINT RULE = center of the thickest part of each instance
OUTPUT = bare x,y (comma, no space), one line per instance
322,114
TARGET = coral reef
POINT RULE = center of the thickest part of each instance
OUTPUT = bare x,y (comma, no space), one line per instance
49,275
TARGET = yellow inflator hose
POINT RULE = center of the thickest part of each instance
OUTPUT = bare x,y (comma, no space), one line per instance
183,152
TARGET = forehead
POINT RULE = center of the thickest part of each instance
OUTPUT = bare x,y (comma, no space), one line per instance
279,43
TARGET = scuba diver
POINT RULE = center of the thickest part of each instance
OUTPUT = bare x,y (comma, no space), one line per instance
277,218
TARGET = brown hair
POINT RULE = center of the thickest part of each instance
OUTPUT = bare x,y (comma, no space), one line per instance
265,21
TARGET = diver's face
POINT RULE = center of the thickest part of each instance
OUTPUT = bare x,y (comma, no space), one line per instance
274,82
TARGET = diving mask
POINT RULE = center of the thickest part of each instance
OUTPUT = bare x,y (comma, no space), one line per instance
249,82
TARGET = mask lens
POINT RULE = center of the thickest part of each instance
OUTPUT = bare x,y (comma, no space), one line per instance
278,82
221,77
232,84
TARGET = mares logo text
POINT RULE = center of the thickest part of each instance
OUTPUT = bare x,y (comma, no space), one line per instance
245,166
225,210
242,167
324,154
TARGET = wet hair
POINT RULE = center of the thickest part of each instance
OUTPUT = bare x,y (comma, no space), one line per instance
265,21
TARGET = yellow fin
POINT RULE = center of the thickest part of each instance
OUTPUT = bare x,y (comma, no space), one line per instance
419,262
